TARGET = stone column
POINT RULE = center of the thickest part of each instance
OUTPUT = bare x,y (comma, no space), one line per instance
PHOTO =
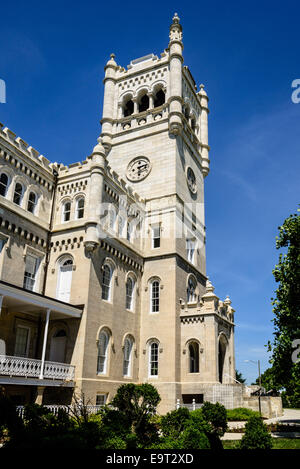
176,60
40,394
108,102
204,147
92,237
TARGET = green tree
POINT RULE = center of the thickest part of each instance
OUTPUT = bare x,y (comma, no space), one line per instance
239,377
256,435
267,380
286,308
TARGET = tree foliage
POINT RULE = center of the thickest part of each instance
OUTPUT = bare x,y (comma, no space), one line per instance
286,309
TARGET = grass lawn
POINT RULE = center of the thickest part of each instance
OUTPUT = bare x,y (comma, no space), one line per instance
278,443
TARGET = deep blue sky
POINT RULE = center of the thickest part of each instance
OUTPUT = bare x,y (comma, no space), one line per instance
52,56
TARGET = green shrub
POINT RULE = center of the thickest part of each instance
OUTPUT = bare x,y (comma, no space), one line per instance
113,443
174,422
256,435
241,414
192,438
216,416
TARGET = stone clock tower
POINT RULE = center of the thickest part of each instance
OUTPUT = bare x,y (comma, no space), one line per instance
154,131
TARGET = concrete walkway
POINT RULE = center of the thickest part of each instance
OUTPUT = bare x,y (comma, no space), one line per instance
290,416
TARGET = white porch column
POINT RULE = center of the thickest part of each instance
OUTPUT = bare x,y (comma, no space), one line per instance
45,343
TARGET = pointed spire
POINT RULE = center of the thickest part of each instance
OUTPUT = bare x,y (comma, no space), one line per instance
112,61
175,29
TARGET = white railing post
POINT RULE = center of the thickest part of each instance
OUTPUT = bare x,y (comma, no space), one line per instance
177,403
44,344
194,404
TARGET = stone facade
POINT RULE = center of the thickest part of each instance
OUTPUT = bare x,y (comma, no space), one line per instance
103,263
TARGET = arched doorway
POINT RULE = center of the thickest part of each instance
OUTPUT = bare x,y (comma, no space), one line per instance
222,349
64,279
58,346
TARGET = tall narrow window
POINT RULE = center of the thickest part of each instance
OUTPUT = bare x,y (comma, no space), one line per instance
66,215
129,231
80,208
194,357
3,184
18,194
190,250
102,352
65,279
155,296
22,341
155,236
31,204
31,268
191,290
129,293
106,282
127,356
153,359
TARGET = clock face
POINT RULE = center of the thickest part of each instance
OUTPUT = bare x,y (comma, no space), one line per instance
191,180
138,169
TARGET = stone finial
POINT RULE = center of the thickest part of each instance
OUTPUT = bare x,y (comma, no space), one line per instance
176,19
112,61
209,287
202,91
227,301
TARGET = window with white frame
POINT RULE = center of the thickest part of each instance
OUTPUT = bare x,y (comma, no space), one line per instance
22,341
128,344
102,352
191,290
156,231
32,202
31,271
106,282
154,296
129,293
153,359
4,183
66,211
190,250
18,193
80,208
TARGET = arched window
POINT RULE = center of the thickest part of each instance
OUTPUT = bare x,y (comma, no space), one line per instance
154,292
143,103
102,352
32,201
222,355
128,108
194,357
129,293
128,344
66,211
80,208
193,124
18,194
191,290
4,182
64,281
159,98
106,282
153,359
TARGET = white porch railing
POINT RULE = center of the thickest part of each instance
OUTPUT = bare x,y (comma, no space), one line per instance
54,409
31,368
192,406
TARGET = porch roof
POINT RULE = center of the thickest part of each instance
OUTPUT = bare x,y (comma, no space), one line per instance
21,300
